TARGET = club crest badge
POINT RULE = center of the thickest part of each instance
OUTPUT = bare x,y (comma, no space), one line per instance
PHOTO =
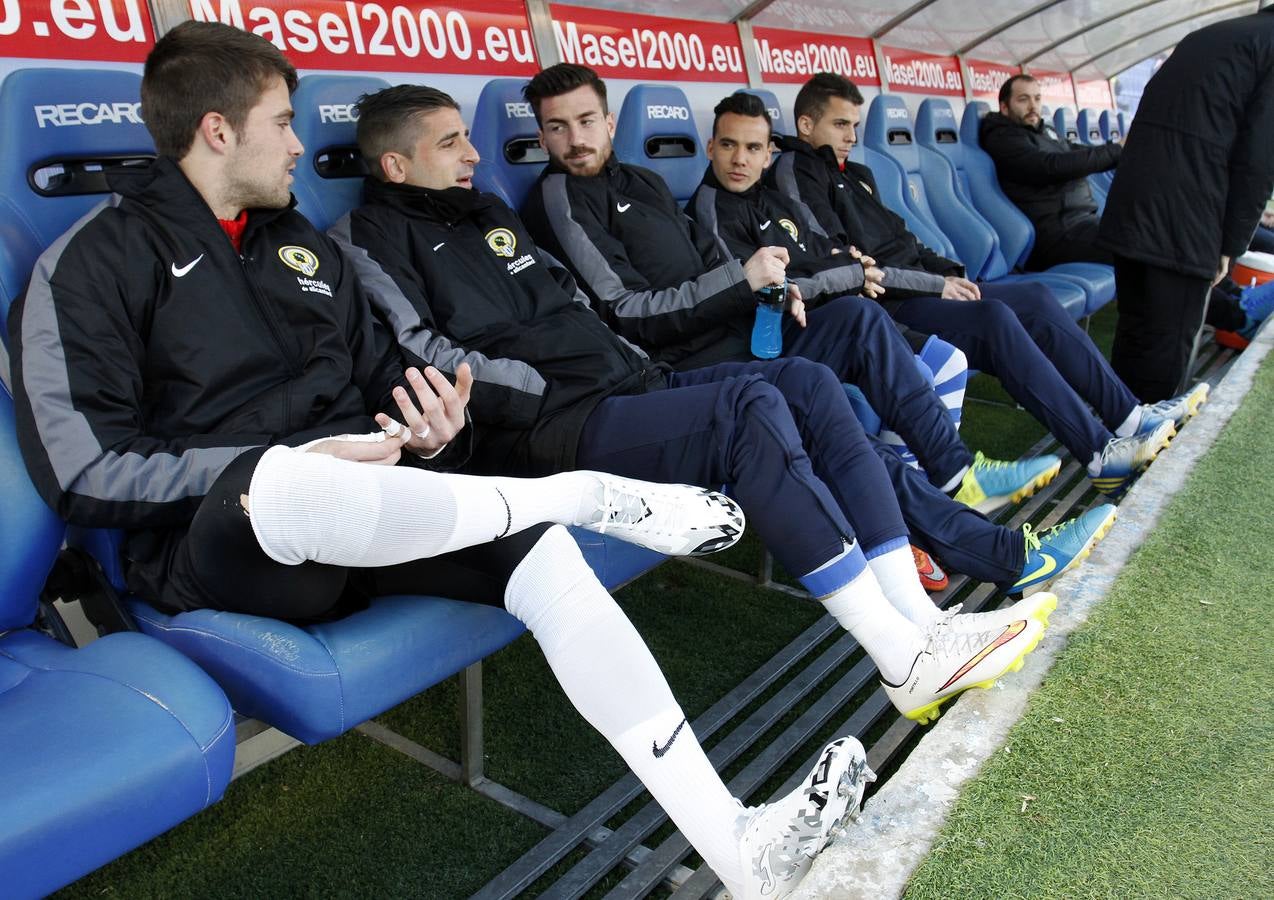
299,259
502,242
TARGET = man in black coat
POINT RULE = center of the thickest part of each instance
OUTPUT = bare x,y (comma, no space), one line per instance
1193,179
1046,176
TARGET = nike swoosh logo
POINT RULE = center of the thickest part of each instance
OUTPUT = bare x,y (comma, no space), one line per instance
622,207
179,272
660,751
436,246
765,224
1045,568
1010,632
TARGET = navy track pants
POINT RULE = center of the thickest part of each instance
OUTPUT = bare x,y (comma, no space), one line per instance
856,339
782,436
1021,335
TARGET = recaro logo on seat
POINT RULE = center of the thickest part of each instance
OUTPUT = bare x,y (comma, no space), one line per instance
88,113
668,112
338,112
895,112
518,110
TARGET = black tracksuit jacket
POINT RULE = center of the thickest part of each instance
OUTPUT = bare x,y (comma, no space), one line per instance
845,204
460,280
148,354
1198,164
762,217
1044,174
654,275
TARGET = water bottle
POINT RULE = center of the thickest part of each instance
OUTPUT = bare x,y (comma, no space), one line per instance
767,331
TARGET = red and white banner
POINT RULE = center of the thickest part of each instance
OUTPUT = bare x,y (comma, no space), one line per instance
1056,88
791,57
648,48
1094,94
111,30
986,78
468,37
914,72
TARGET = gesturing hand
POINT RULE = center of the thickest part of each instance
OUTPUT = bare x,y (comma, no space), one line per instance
441,414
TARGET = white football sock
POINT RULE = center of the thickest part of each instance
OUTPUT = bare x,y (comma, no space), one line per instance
895,572
610,676
860,607
313,507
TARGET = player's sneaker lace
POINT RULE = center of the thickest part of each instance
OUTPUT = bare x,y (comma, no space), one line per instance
676,519
781,839
992,483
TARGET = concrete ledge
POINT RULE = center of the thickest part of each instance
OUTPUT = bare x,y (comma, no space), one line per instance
900,823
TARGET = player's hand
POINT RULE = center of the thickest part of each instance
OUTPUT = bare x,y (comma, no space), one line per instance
957,288
873,280
861,257
767,266
1222,269
441,414
795,304
379,448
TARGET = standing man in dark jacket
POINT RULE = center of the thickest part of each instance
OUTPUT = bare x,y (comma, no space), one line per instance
196,364
458,276
1046,175
1196,172
670,286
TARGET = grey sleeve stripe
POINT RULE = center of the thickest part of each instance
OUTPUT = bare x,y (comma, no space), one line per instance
606,284
706,215
785,175
79,462
579,296
840,280
412,333
913,280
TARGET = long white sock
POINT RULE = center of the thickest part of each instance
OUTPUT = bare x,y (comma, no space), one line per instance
609,675
895,571
315,507
890,639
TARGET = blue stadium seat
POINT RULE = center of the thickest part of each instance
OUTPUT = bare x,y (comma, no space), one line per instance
1111,129
313,682
656,129
778,121
1016,233
1064,125
61,129
1088,124
1124,122
101,748
507,139
935,193
329,177
891,184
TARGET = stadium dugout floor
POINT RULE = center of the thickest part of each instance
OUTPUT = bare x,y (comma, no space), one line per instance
762,733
